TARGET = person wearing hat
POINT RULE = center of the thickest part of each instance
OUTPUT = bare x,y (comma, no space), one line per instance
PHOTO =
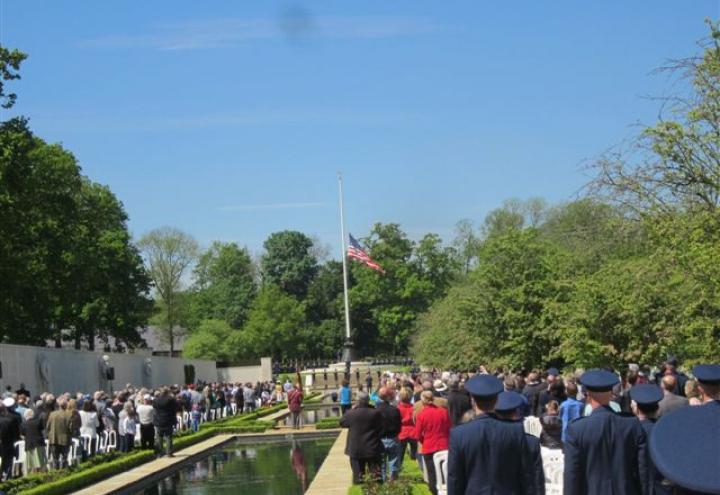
685,446
484,453
645,399
507,408
440,387
605,452
708,377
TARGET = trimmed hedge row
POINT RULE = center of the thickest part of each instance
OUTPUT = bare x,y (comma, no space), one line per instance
103,466
71,480
328,423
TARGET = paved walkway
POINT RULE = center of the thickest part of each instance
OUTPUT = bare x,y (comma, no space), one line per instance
127,478
334,477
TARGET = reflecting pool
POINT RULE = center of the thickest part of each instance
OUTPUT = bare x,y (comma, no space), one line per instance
272,468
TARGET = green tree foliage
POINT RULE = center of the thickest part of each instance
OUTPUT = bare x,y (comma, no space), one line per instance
276,326
10,61
211,340
67,265
500,315
169,253
224,285
385,307
289,262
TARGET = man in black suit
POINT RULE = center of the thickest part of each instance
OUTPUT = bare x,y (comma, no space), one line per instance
458,401
365,424
487,455
605,452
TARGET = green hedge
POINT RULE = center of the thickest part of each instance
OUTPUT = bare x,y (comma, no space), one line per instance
328,423
84,477
103,466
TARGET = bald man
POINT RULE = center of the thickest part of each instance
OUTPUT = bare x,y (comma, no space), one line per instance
670,401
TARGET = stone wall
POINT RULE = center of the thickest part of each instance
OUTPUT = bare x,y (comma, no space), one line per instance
68,370
244,374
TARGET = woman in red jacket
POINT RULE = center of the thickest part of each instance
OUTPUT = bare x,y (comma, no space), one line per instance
432,430
407,425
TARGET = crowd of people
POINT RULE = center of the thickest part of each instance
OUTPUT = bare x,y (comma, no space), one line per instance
600,423
143,418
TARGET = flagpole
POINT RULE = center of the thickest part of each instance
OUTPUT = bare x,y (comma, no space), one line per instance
348,347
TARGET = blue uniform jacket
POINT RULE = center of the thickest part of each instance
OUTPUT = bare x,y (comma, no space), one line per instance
655,478
606,454
489,456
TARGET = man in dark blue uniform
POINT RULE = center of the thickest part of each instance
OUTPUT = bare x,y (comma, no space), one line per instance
685,444
605,452
708,377
486,454
645,404
508,408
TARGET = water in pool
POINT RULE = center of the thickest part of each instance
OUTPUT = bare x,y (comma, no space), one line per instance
272,468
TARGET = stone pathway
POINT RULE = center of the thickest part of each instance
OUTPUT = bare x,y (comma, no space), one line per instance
334,476
127,478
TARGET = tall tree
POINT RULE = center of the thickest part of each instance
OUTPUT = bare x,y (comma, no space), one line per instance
224,284
106,272
169,253
10,61
289,262
276,326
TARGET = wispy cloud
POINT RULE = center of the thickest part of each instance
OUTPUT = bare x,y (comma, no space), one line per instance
271,206
219,33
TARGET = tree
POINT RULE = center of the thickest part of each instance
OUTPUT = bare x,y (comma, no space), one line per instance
466,244
110,286
275,327
384,307
677,161
169,252
67,263
10,61
224,285
289,262
325,311
39,185
209,341
502,310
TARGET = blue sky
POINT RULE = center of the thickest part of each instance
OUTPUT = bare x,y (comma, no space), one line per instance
230,120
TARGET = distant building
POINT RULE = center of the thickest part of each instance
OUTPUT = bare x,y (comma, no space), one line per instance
159,345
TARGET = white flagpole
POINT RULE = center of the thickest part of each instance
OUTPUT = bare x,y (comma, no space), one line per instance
344,260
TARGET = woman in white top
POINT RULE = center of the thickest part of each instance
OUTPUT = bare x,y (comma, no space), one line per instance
89,421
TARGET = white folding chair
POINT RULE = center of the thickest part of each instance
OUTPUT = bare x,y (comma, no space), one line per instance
186,419
533,426
102,442
87,443
19,465
233,406
440,460
74,453
112,441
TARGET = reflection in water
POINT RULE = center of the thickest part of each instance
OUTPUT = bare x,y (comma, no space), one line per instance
262,469
298,463
312,416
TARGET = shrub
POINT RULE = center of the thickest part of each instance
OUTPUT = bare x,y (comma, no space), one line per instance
328,423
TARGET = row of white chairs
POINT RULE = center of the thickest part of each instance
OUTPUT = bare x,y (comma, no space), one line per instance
103,443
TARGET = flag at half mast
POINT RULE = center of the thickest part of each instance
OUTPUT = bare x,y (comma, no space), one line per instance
356,251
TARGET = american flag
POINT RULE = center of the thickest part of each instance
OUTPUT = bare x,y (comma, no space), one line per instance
356,251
